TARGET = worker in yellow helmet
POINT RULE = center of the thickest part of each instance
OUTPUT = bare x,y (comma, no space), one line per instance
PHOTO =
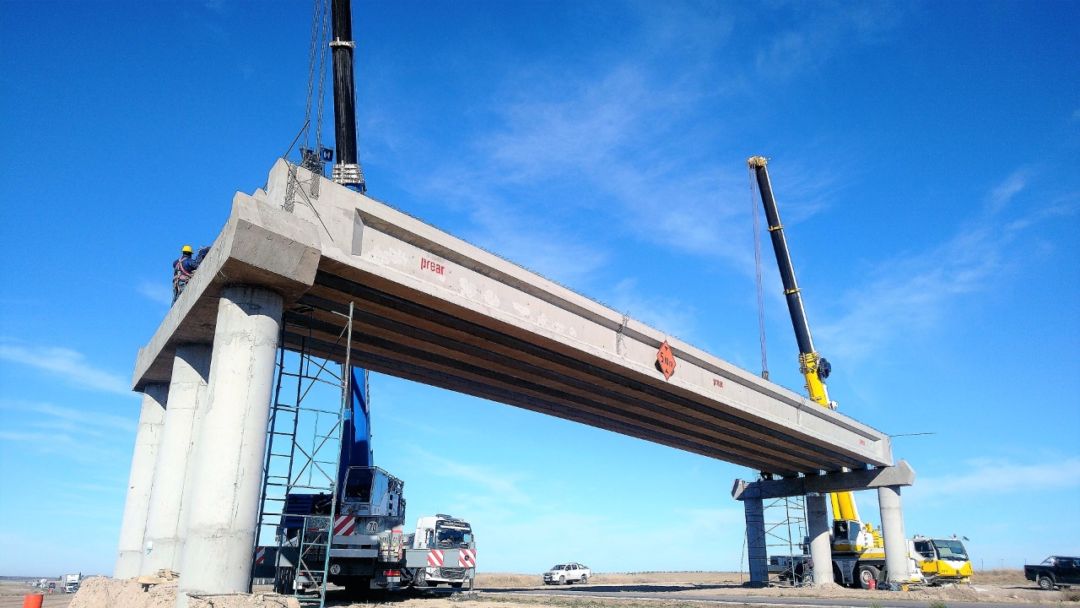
184,268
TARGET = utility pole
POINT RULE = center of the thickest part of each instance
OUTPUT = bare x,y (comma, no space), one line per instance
347,169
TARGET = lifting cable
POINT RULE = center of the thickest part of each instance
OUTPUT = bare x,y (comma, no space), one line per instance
317,52
758,279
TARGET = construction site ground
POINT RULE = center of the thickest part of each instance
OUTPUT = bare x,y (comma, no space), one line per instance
634,590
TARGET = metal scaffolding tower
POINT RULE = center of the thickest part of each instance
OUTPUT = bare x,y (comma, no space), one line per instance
311,398
785,535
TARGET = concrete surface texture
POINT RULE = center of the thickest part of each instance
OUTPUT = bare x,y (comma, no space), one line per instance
892,532
165,530
435,309
817,529
228,457
141,479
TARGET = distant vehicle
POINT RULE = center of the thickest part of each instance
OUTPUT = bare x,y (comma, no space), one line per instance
1055,571
564,574
71,582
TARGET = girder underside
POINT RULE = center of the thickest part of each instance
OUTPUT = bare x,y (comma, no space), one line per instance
405,338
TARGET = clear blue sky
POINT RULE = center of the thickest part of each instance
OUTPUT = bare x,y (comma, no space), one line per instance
924,156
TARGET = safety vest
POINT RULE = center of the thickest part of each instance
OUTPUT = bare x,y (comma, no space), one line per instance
180,274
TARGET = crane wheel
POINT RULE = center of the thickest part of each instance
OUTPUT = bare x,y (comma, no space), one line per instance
866,574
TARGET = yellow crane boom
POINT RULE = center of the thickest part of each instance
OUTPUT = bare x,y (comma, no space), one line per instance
815,368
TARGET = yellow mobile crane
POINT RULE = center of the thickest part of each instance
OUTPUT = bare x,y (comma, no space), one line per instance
858,549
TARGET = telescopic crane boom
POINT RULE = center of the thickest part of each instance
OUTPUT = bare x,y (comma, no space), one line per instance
815,368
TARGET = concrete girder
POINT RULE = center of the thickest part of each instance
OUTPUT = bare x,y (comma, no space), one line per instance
895,476
469,307
573,396
513,395
499,353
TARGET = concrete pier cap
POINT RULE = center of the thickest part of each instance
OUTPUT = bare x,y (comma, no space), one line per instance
887,481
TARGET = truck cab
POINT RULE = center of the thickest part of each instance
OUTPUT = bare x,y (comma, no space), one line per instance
1055,571
942,560
442,551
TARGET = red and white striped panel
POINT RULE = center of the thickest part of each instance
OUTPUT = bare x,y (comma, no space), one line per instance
344,525
435,558
260,555
467,558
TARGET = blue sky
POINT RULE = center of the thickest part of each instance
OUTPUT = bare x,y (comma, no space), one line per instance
924,157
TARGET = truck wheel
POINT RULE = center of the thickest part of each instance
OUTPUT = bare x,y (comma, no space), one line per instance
866,574
562,580
584,579
1046,583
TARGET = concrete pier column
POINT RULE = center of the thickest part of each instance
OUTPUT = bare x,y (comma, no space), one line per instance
892,531
140,481
187,402
756,551
228,462
817,524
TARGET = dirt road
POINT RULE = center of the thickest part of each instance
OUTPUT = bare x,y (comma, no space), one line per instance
1006,589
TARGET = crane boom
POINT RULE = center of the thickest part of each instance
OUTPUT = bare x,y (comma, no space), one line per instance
815,368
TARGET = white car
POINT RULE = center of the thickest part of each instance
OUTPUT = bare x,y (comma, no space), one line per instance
564,574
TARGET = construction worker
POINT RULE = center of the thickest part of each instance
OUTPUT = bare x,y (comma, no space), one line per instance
184,268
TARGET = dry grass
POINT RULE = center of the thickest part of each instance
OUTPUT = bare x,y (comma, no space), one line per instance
999,577
505,580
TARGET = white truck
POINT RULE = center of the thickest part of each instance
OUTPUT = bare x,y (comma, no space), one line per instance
71,582
565,574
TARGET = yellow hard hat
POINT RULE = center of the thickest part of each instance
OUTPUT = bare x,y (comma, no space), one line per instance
186,249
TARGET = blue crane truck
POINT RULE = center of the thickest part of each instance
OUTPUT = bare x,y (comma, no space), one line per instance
368,546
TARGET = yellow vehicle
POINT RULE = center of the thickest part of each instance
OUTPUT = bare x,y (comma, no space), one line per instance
858,549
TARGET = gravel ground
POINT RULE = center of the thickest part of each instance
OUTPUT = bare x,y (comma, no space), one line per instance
1005,586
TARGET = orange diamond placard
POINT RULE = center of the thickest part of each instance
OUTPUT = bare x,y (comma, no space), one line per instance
665,360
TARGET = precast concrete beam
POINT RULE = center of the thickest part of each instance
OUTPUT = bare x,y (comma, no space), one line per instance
164,537
846,481
817,527
897,565
228,462
435,309
141,480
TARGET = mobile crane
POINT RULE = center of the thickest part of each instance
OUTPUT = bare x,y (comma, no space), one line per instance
858,548
368,549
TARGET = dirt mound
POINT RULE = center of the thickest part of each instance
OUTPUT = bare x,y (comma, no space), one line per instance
101,592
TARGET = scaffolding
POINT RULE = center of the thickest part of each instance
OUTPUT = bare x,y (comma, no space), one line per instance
300,471
785,536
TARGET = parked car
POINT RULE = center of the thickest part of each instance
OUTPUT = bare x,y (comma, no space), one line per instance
1055,571
564,574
